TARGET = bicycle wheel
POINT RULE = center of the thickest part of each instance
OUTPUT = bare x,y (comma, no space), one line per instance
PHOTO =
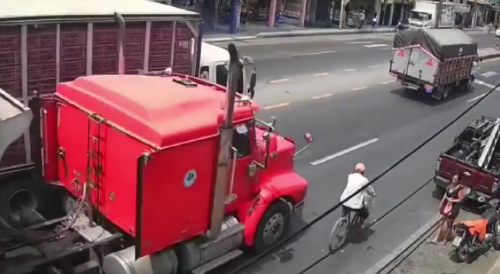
338,234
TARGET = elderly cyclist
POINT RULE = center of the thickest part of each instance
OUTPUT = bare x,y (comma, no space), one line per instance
358,203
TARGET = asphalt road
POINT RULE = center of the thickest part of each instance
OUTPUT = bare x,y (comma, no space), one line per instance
376,125
283,59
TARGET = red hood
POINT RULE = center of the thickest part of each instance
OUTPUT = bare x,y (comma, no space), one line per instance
282,159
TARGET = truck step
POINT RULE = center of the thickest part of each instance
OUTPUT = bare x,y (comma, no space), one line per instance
95,233
217,262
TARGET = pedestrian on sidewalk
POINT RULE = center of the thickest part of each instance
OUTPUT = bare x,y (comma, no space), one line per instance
449,209
374,20
362,18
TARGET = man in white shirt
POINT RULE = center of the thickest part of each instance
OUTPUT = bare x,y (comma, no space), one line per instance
356,181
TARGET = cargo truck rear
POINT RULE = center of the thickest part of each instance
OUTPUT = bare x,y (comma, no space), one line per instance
44,43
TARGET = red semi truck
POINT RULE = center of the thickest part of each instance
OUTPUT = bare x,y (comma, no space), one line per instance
143,174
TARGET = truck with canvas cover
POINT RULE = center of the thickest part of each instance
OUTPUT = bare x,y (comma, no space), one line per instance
435,61
151,174
44,43
476,153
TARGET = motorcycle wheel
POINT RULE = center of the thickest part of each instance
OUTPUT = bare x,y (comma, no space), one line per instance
462,253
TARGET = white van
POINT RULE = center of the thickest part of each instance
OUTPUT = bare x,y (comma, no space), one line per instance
213,63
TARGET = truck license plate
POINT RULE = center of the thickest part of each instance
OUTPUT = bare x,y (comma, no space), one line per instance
457,241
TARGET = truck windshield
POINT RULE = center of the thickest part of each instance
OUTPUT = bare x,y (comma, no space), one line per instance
418,15
221,74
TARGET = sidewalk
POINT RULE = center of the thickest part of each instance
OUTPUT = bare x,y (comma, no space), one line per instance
435,259
289,30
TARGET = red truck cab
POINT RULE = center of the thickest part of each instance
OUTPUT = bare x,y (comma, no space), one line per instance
143,150
475,152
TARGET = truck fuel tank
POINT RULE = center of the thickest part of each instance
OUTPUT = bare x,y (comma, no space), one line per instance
15,119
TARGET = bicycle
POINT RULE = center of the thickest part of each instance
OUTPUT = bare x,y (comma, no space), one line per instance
345,224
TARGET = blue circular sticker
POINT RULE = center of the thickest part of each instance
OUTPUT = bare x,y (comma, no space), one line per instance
190,178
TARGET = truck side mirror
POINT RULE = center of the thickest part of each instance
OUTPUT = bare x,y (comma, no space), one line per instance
308,137
253,82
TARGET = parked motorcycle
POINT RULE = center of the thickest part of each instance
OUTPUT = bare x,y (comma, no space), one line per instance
474,236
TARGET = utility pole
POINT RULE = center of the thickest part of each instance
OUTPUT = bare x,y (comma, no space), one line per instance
438,15
342,12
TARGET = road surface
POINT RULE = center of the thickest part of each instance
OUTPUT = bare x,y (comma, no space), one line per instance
376,125
294,59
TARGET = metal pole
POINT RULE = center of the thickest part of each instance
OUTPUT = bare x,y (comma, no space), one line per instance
438,15
341,19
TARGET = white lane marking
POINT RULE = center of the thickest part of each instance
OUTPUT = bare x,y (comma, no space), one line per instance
352,69
321,74
277,106
360,42
476,98
380,265
343,152
278,81
388,82
322,96
359,88
479,82
375,46
489,74
315,53
375,66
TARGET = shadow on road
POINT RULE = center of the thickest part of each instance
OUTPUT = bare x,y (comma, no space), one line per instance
426,99
283,254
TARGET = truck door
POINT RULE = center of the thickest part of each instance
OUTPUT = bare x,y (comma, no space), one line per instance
400,60
241,157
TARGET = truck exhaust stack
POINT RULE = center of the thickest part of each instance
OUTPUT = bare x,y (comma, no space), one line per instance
226,139
15,119
120,21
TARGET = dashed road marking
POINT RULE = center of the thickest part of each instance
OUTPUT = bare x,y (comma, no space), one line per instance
277,106
351,69
278,81
315,53
375,66
476,98
360,42
489,74
387,82
321,74
343,152
359,88
375,46
322,96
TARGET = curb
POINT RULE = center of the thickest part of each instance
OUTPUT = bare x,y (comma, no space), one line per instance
489,56
292,34
299,33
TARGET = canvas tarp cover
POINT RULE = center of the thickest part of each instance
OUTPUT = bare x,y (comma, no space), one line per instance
442,43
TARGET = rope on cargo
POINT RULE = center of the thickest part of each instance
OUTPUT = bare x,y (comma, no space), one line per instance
329,211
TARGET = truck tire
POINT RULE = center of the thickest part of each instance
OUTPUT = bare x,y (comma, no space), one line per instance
15,196
273,226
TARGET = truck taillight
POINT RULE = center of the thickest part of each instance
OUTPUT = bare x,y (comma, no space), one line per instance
438,164
494,187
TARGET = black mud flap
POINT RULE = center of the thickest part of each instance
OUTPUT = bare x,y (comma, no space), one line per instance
437,93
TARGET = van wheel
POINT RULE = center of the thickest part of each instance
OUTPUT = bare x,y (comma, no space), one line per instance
273,226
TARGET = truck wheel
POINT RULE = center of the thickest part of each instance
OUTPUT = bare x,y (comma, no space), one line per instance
18,198
273,226
445,92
